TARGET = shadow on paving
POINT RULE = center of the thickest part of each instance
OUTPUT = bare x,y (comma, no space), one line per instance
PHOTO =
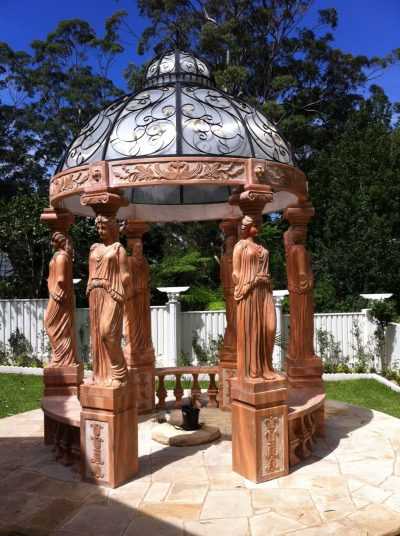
40,497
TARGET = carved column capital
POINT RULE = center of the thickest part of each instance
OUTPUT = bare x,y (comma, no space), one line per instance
104,202
299,214
253,200
134,229
57,219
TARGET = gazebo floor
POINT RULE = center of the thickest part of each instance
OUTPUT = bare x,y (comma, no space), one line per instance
350,486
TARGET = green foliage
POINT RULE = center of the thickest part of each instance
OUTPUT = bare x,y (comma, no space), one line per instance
207,352
364,353
18,352
329,350
382,312
344,138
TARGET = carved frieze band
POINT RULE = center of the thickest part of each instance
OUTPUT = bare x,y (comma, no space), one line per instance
177,170
68,182
79,180
282,177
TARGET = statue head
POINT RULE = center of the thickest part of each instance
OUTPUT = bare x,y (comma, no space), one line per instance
137,247
61,241
248,227
108,229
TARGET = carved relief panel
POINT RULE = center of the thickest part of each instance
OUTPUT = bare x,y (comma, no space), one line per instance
97,450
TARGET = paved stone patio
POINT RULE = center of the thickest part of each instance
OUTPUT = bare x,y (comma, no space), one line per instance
351,486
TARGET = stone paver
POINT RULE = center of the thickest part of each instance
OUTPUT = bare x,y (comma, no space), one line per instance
349,487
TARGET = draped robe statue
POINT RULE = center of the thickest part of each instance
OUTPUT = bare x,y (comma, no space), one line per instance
137,318
109,285
59,315
226,269
300,285
256,317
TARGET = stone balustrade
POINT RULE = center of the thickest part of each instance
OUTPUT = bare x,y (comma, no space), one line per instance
180,374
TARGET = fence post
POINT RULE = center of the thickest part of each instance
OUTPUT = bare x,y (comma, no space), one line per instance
368,331
174,322
277,356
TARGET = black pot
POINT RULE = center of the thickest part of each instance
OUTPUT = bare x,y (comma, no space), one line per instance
190,416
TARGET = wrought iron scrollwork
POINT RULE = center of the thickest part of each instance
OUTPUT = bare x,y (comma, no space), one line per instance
180,113
210,125
146,127
89,145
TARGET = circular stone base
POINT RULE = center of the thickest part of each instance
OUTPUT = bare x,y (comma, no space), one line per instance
168,434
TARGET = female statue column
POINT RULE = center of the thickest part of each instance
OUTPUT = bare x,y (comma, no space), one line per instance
59,315
256,318
259,394
302,365
227,354
108,286
64,373
109,412
139,351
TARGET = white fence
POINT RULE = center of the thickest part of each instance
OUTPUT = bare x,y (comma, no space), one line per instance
171,327
342,327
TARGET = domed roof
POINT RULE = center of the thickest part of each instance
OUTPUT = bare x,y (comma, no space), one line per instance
179,112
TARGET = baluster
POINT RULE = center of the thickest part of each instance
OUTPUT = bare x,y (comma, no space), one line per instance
195,390
161,393
178,391
212,392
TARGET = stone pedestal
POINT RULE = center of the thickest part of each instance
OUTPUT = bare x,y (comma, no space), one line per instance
226,371
260,428
304,372
62,381
109,434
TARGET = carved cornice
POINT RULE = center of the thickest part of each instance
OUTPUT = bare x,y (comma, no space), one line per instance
177,171
238,173
67,182
57,219
282,177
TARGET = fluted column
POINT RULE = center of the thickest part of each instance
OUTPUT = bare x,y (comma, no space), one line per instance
303,367
139,351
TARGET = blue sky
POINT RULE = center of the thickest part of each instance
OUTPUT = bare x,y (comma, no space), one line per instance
365,27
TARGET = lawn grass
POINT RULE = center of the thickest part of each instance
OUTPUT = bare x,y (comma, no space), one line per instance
19,392
366,393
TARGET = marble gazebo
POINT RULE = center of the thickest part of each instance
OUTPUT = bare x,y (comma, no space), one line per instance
179,150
